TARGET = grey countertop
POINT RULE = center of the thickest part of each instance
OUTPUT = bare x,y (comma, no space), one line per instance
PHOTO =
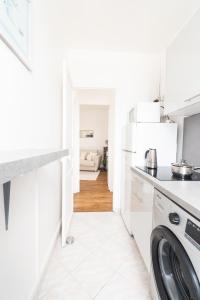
184,193
19,162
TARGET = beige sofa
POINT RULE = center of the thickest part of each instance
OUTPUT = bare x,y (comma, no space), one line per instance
89,160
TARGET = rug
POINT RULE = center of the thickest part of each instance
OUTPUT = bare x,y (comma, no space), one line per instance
87,175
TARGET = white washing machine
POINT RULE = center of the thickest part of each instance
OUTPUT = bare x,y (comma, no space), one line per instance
175,252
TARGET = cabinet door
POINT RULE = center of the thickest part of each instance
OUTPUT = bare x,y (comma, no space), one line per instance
127,161
141,194
141,214
183,68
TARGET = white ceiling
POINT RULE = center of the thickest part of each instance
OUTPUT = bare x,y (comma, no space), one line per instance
125,25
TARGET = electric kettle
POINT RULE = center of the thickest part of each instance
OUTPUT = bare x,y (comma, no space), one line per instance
151,158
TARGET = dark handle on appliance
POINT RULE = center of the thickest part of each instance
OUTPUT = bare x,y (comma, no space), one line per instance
145,156
174,218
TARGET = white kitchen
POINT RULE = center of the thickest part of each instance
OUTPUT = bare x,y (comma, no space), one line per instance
160,193
145,56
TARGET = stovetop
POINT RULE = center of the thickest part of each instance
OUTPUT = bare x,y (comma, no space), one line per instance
165,174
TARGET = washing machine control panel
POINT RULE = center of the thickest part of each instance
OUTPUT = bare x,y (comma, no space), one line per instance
192,233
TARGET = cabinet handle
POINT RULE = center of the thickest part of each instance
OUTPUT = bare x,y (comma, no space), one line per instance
158,197
159,206
192,98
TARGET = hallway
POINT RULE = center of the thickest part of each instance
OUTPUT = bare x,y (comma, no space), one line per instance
94,195
102,264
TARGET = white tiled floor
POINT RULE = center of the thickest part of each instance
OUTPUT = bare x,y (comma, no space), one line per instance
102,264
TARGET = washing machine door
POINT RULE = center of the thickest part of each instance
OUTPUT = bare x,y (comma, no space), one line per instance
173,271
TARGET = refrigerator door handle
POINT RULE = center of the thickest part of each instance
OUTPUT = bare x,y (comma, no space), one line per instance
129,151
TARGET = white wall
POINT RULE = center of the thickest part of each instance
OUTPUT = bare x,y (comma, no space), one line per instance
30,117
94,118
132,76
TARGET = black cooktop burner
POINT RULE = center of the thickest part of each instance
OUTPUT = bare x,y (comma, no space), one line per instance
165,174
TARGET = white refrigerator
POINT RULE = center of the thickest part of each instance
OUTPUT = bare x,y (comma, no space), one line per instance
136,139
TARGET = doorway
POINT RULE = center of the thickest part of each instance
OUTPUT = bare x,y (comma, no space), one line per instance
94,151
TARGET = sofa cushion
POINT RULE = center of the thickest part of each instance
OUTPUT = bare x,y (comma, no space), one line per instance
83,154
85,162
91,156
90,150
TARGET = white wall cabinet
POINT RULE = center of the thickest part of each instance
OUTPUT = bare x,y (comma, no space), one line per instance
183,71
141,214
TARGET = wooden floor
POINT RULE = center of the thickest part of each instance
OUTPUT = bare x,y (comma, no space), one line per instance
94,195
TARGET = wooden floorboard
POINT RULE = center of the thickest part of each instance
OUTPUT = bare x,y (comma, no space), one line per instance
94,195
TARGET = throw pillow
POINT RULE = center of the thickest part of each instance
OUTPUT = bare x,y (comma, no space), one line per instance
83,155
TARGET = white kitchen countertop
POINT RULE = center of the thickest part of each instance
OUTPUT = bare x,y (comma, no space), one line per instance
184,193
18,162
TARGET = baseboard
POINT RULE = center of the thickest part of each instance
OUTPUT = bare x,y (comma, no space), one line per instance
36,288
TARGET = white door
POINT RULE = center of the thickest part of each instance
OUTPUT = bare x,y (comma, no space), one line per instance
67,198
67,192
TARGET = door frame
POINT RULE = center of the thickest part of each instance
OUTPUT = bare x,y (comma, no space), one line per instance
76,141
66,162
